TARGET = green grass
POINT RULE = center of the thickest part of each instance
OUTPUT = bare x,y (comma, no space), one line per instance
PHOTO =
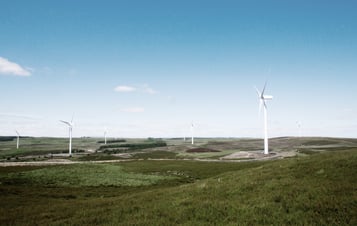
191,169
316,189
312,151
81,175
155,155
206,155
320,142
307,151
45,145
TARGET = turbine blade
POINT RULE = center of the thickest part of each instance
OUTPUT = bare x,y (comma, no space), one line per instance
256,89
17,133
67,123
262,94
72,118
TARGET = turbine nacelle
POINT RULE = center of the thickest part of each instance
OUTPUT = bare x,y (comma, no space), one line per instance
261,94
267,97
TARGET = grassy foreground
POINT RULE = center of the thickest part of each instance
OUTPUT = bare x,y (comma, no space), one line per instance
318,189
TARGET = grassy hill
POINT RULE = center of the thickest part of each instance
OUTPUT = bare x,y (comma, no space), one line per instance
317,189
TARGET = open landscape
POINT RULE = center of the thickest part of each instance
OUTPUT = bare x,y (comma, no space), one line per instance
161,113
218,181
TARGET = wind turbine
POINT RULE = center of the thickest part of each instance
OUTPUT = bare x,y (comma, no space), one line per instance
263,98
18,139
184,137
298,123
192,130
105,137
70,126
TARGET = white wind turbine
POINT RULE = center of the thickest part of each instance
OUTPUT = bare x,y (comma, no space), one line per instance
18,139
262,99
192,130
184,136
298,123
70,126
105,137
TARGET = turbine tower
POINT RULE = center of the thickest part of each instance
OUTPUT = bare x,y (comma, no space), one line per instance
298,123
105,137
184,134
192,130
70,126
263,98
18,139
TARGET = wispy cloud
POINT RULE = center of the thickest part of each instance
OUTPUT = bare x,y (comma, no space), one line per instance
133,110
23,116
125,89
140,88
10,68
147,89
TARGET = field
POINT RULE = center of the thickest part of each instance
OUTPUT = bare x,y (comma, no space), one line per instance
305,181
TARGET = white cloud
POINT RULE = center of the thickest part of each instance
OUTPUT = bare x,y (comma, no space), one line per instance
10,68
133,110
140,88
148,89
125,89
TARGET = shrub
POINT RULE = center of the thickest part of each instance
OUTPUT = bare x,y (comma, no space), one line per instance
112,141
7,138
134,146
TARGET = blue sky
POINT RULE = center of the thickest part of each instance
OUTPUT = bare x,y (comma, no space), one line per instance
150,68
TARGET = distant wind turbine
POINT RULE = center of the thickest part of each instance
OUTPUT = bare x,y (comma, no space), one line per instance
70,126
263,98
105,137
192,131
298,123
18,139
